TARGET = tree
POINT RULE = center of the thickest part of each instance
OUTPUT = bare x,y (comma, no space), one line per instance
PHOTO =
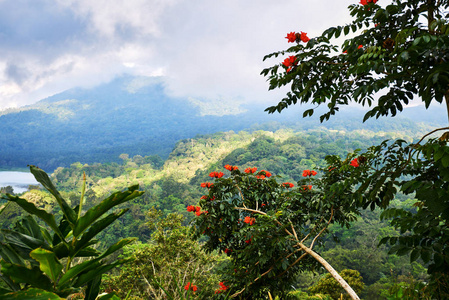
400,52
264,226
329,286
166,264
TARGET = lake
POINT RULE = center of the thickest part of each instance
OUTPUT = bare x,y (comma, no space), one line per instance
18,180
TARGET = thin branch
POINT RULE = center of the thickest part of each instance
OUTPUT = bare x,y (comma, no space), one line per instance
322,230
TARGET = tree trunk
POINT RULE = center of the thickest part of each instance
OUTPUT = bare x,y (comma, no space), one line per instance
331,270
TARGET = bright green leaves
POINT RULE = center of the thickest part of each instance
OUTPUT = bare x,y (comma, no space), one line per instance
48,263
33,293
43,179
97,211
30,255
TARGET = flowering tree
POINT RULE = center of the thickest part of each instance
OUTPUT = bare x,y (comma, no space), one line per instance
267,228
400,52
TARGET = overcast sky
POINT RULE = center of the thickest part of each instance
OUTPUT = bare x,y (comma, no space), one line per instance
204,48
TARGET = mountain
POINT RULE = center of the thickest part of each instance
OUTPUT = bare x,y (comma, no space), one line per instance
134,115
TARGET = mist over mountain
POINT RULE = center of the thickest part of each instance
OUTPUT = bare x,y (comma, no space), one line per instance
134,115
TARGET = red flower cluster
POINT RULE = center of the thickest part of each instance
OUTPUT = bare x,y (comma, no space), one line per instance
216,174
293,37
289,61
249,220
207,185
231,168
190,286
192,208
251,170
264,173
222,288
227,251
249,241
365,2
355,162
304,37
196,210
306,173
288,185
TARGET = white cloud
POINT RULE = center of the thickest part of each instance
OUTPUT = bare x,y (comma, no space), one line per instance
206,49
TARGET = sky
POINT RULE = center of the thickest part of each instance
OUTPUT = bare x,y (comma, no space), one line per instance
204,49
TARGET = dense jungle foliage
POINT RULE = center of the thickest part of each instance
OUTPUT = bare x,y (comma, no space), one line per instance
159,220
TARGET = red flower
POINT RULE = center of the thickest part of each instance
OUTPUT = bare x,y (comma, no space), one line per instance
222,288
197,208
207,184
216,174
190,286
291,37
204,197
248,241
313,173
288,184
249,220
265,173
231,168
354,162
251,170
290,61
306,173
365,2
260,176
190,208
360,47
227,251
304,37
262,205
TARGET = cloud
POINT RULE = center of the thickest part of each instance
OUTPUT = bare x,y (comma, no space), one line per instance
205,49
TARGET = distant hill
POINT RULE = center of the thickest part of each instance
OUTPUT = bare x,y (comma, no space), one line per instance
133,115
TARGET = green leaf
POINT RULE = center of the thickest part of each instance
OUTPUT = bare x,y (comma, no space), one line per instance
93,287
74,271
111,296
22,274
33,293
92,274
97,211
43,179
42,214
414,255
96,228
425,255
48,263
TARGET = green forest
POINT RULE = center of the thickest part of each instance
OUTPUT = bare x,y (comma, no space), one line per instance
160,222
274,212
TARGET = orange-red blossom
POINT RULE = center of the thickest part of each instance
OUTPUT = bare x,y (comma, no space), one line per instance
190,286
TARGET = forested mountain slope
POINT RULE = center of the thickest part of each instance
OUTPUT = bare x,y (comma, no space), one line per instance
134,115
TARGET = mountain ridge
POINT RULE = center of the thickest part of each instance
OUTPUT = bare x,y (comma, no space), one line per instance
134,115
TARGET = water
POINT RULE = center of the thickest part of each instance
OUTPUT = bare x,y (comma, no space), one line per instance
18,180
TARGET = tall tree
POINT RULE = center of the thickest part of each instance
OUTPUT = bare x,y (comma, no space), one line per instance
398,52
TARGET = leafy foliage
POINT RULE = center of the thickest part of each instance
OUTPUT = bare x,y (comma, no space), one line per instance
170,260
262,224
393,52
45,261
329,286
